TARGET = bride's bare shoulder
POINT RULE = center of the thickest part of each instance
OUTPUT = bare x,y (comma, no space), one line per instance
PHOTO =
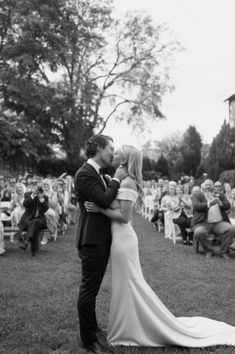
129,182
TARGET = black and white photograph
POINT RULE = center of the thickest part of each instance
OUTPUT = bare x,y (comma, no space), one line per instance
117,176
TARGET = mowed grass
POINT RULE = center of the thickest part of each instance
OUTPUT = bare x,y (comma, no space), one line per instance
38,295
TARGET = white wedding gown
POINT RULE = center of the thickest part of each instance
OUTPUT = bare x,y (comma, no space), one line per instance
137,316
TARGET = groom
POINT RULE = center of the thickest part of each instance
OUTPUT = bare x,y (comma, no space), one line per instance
93,238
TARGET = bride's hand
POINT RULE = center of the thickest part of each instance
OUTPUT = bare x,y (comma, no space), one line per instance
91,207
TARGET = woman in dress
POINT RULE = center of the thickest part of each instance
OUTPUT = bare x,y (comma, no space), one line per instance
227,190
17,203
231,214
170,205
137,316
52,214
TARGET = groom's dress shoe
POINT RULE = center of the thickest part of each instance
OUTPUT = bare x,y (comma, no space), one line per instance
100,336
102,340
97,348
94,348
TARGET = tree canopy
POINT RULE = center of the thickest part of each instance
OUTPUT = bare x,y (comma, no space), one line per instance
221,153
191,151
67,67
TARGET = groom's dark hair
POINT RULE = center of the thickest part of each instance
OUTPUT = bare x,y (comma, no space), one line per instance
95,142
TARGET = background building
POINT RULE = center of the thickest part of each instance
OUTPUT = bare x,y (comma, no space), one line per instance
231,105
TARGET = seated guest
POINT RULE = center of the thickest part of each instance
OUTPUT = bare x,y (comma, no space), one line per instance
33,220
72,201
227,190
166,185
218,188
231,213
153,188
203,187
147,187
64,203
209,217
185,217
12,185
5,193
52,214
230,193
23,181
29,183
171,208
160,193
17,203
195,189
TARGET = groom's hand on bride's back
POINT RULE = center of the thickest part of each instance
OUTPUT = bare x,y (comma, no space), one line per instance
120,174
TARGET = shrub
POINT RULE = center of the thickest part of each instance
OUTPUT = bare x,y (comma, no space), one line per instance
228,176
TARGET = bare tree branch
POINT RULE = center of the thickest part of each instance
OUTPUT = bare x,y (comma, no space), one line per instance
110,114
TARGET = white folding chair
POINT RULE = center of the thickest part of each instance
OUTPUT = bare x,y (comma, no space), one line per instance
149,207
172,230
6,219
5,212
160,226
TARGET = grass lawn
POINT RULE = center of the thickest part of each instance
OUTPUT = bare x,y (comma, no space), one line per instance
38,295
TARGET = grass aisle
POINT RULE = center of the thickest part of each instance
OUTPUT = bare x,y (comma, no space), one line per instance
38,295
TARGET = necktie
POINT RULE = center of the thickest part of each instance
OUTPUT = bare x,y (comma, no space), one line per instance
102,177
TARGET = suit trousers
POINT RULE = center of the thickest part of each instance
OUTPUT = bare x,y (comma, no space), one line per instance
184,222
94,260
33,230
223,229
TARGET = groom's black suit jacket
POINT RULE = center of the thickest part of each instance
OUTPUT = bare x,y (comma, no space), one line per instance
93,228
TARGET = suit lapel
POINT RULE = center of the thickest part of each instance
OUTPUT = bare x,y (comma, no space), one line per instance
94,173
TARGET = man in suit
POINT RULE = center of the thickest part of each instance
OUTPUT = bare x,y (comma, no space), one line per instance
209,216
5,193
33,220
93,238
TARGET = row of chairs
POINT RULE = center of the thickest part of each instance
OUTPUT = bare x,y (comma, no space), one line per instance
148,207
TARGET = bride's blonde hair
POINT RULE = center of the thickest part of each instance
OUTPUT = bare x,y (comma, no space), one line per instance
133,160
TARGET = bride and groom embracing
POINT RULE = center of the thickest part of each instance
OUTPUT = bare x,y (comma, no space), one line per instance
137,317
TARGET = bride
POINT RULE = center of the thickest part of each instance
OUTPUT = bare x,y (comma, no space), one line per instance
137,316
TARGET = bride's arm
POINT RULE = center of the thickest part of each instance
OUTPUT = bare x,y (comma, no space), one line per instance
122,214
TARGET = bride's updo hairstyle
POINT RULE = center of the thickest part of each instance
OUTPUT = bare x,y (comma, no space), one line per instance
132,159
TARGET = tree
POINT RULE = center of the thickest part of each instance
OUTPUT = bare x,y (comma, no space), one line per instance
149,168
170,147
162,166
204,155
59,70
127,72
18,145
220,156
191,151
25,49
228,176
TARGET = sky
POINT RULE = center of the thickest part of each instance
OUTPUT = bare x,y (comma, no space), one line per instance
203,74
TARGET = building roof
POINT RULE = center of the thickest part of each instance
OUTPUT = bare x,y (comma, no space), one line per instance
230,98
